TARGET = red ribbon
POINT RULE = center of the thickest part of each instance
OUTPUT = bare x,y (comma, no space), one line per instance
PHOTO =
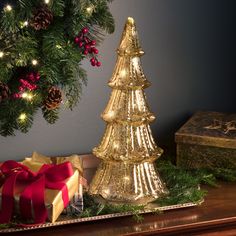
49,176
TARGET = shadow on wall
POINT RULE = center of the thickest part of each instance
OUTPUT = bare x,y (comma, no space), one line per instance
165,137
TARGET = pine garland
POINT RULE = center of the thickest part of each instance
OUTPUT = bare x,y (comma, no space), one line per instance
37,52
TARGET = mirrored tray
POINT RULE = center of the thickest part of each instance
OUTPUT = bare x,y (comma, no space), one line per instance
71,220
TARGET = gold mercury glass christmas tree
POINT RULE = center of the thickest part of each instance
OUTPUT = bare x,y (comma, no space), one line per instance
128,151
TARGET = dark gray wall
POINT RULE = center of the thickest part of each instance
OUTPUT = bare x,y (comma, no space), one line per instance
190,54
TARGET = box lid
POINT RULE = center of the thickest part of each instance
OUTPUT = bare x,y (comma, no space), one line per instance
210,129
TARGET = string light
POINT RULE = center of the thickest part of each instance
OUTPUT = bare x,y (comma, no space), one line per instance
27,96
26,23
135,61
22,117
34,62
123,73
58,46
1,54
47,1
126,178
89,10
30,97
106,191
24,95
8,7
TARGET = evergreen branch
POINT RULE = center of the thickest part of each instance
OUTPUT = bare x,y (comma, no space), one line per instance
9,22
10,116
50,72
92,208
51,116
26,124
73,89
182,185
53,43
5,71
103,18
52,46
25,50
58,7
25,9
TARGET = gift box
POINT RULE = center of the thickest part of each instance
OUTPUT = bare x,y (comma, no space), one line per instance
36,195
35,162
207,140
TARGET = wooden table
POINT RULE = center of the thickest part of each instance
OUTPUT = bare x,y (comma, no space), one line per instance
216,216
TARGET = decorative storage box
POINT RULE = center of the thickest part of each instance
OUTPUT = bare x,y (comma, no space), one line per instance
208,139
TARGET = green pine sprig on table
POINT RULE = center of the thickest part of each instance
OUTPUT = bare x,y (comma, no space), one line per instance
93,208
184,185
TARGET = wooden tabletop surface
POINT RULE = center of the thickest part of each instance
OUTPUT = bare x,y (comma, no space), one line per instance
216,216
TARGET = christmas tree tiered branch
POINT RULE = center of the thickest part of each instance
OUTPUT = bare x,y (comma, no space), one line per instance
128,150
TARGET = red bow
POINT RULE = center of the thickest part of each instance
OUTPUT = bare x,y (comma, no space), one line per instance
49,176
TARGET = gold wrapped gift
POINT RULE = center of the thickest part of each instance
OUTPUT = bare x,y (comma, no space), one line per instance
37,160
53,198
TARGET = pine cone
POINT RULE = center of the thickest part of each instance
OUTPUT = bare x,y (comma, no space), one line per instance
4,92
42,18
53,99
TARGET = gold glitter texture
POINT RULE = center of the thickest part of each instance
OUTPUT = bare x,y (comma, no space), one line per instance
128,150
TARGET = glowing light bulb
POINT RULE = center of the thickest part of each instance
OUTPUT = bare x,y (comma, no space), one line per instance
8,7
27,96
58,46
34,62
22,117
26,23
123,73
110,115
1,54
126,178
30,97
106,191
89,10
47,1
135,61
24,95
